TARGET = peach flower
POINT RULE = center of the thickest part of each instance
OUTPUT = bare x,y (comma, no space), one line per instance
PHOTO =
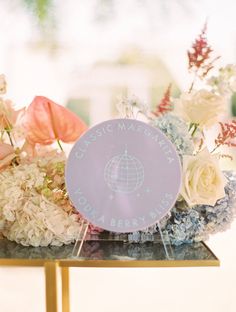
47,122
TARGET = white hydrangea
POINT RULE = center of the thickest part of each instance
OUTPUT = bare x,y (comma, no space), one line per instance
29,218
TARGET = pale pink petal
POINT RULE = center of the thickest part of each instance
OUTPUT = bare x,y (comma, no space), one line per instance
5,150
7,153
28,148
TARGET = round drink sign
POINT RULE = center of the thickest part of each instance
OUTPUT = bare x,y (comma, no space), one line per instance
123,175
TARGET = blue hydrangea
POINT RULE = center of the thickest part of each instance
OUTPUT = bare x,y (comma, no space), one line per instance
177,131
219,217
197,223
184,227
203,220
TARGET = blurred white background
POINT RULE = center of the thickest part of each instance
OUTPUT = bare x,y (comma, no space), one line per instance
85,54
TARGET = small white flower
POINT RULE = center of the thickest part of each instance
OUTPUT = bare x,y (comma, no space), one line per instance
225,82
129,107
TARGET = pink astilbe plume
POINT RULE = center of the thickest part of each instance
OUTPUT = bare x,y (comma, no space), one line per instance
165,105
227,135
200,59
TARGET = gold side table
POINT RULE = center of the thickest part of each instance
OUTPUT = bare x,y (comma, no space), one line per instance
104,253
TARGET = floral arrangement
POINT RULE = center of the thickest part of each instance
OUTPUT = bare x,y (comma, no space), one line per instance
34,206
207,201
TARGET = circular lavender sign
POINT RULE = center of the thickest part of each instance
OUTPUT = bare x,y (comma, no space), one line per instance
123,175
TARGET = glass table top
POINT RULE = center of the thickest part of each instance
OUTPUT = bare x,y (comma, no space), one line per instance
111,253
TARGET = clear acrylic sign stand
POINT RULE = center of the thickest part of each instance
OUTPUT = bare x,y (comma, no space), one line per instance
80,239
166,243
83,236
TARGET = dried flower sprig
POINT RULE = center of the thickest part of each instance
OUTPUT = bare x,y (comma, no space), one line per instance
227,135
226,156
165,104
200,60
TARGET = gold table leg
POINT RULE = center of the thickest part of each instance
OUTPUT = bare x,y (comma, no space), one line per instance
65,289
51,286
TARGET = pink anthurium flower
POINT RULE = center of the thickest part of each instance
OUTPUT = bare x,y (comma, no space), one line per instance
47,122
7,153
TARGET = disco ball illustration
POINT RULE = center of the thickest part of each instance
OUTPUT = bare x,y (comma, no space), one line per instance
124,173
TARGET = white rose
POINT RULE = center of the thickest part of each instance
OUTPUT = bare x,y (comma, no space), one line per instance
200,107
203,181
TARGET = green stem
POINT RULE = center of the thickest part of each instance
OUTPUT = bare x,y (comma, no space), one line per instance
59,144
195,129
190,126
10,138
193,82
215,148
191,87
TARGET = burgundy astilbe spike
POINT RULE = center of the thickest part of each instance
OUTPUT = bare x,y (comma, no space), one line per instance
227,135
200,55
165,105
